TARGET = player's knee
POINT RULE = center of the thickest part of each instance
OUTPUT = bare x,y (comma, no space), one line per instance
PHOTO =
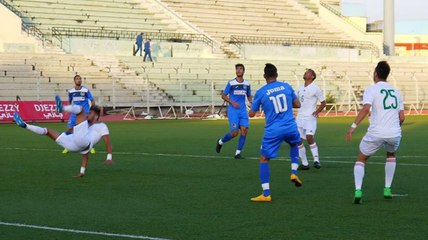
310,139
264,159
390,154
234,133
244,131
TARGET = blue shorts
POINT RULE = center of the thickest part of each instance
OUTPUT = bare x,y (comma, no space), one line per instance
237,120
72,120
273,140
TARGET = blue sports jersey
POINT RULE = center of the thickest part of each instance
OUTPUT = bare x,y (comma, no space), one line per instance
80,97
237,92
276,99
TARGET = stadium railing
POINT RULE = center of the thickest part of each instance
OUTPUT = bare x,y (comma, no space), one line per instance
238,41
60,32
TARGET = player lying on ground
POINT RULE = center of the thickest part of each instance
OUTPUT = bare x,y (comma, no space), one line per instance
87,132
78,95
277,100
309,95
384,131
235,93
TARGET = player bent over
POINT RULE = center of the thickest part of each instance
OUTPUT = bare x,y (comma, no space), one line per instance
87,132
384,131
277,100
235,93
309,95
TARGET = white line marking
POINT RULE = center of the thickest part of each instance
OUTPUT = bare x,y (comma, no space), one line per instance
80,231
400,195
248,158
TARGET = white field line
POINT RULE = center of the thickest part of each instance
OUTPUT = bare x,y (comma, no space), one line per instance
20,225
248,158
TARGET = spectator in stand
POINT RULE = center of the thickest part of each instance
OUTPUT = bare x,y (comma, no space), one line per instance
147,50
139,43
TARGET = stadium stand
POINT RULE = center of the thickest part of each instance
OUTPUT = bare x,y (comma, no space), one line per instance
188,78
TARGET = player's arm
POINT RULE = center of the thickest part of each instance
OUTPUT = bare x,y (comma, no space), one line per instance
227,99
255,106
90,97
295,99
319,109
296,103
360,117
107,142
83,166
70,97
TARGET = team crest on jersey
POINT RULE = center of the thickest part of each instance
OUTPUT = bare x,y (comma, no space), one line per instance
82,94
245,87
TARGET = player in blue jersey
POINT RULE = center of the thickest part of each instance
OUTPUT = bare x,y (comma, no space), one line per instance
277,99
236,92
81,96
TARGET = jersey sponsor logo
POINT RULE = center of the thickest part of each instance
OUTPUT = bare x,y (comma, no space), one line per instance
78,99
273,90
239,92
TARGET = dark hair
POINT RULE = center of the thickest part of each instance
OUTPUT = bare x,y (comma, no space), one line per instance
313,73
77,75
270,71
382,70
240,65
96,109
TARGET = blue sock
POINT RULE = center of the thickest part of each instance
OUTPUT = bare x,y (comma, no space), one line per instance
226,137
264,178
294,155
241,142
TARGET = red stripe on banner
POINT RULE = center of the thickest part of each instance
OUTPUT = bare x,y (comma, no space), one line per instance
31,111
413,46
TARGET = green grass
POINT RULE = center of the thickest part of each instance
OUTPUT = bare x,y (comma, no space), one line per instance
167,181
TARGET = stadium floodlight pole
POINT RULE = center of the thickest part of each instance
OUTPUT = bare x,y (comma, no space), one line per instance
388,28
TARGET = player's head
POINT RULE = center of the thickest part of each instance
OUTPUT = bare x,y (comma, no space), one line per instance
309,75
78,80
271,73
239,69
381,71
94,113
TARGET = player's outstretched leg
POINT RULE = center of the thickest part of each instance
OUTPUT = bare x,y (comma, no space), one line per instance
389,176
294,155
35,129
264,179
303,158
314,150
358,177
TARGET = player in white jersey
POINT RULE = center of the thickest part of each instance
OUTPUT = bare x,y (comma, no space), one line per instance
387,115
86,133
309,95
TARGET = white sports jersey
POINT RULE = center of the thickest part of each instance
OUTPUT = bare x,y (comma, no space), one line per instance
386,102
97,131
309,97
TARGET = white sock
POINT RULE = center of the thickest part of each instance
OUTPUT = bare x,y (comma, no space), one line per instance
72,109
237,152
302,155
314,150
220,142
389,171
359,174
37,130
294,166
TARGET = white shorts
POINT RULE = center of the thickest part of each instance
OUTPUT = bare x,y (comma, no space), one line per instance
370,144
306,126
78,141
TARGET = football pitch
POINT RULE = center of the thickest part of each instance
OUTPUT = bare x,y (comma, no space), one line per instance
169,183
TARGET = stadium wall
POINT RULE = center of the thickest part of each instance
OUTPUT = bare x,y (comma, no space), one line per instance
11,39
264,52
125,48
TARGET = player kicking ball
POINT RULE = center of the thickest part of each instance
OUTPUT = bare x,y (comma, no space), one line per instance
309,95
87,132
277,100
235,93
384,131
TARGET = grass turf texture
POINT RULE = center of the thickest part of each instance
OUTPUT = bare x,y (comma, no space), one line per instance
153,189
